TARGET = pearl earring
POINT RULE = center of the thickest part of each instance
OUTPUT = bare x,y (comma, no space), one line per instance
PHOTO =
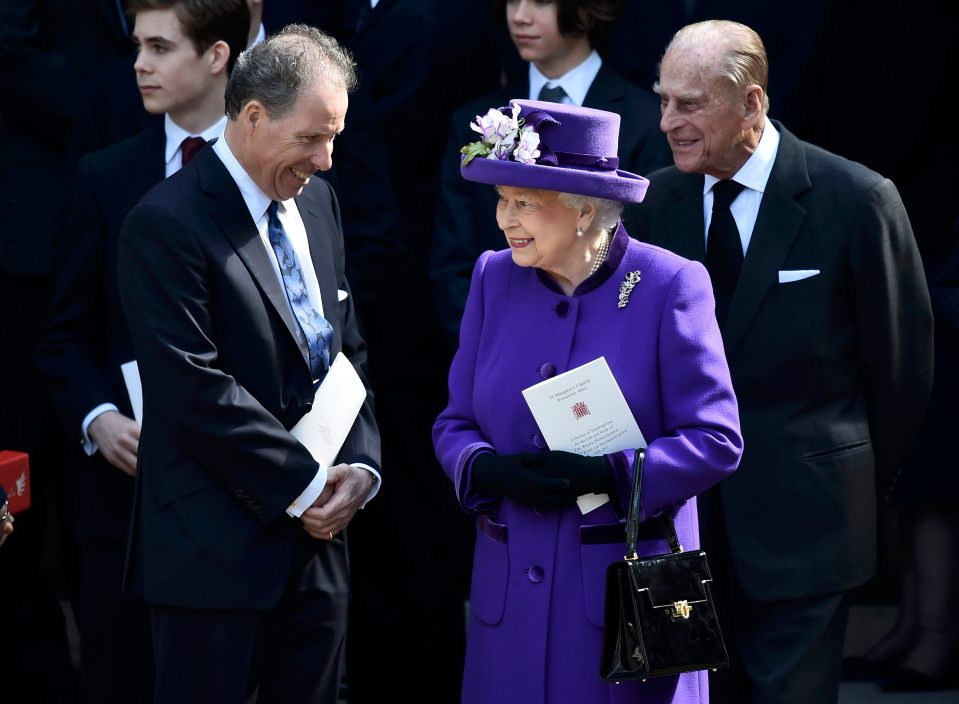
579,232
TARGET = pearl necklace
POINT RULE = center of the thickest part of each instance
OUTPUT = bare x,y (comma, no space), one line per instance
600,254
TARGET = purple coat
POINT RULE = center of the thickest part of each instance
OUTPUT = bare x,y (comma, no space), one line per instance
536,611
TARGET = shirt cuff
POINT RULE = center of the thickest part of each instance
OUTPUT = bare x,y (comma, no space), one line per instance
377,480
306,499
89,446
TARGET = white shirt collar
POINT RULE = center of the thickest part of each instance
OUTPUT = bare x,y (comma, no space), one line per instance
176,134
575,82
755,172
256,200
260,36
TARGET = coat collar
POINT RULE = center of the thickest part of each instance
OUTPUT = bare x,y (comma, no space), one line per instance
778,223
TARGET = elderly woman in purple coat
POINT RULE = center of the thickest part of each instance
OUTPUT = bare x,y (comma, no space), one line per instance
572,287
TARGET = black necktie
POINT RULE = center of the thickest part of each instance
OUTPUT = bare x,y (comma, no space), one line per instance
724,249
551,95
189,147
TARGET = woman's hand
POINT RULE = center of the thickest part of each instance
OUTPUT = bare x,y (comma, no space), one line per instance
509,476
587,475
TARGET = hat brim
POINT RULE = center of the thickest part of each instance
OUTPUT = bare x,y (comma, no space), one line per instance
615,185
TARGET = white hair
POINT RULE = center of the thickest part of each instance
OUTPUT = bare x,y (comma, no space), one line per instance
607,215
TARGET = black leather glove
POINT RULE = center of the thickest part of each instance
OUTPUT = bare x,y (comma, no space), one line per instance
507,475
587,475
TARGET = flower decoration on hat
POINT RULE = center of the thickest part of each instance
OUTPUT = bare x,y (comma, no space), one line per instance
508,137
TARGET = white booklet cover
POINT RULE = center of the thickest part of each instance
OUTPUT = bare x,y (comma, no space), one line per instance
337,403
131,378
584,411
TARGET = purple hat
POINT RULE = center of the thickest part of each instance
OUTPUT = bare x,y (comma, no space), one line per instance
551,146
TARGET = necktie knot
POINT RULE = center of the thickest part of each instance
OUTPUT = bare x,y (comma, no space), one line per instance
551,95
189,148
725,192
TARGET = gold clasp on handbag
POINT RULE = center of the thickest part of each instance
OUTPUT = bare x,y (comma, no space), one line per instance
679,609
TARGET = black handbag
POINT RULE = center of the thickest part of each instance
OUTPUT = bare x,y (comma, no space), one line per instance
659,616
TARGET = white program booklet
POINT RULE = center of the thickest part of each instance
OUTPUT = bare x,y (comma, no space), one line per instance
131,377
338,401
584,411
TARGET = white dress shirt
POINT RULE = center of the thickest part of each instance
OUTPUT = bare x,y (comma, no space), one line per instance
174,141
575,82
754,175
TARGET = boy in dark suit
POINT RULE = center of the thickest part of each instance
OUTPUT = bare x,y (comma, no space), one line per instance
186,49
827,326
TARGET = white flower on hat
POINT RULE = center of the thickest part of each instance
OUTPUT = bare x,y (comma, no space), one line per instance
503,137
526,151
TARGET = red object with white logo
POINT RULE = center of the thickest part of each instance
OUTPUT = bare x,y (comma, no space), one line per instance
15,479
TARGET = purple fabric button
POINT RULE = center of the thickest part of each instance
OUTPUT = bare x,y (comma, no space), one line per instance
562,309
535,574
548,370
539,441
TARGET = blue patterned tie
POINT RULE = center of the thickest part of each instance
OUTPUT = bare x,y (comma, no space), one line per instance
313,326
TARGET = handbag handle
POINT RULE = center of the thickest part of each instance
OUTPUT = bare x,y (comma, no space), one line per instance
632,520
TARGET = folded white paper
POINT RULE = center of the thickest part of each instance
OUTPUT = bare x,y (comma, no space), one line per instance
788,276
131,378
584,411
337,403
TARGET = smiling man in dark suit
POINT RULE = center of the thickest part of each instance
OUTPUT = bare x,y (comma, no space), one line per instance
233,282
186,49
827,327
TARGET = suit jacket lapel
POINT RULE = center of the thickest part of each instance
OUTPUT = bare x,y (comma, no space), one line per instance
233,218
606,91
777,225
143,166
155,153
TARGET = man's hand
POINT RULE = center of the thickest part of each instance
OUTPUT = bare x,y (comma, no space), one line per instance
6,523
118,439
346,488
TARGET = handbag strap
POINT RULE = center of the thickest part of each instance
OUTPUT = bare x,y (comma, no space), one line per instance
632,520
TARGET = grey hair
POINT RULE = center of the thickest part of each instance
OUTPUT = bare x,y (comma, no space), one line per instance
277,69
607,215
744,61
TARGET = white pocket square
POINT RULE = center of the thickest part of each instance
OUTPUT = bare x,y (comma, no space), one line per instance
788,276
341,294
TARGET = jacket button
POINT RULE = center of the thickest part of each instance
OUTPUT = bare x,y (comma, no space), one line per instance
562,309
548,370
308,406
539,441
535,574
